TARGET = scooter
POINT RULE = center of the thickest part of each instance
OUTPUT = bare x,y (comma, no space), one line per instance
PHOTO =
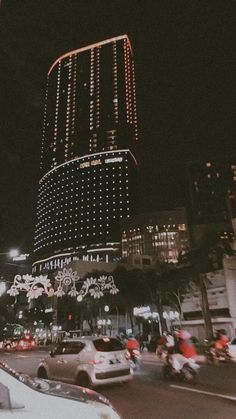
135,358
218,355
188,373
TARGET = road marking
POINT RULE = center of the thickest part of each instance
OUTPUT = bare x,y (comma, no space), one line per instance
147,361
208,393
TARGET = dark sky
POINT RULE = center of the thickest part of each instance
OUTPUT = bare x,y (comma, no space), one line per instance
185,56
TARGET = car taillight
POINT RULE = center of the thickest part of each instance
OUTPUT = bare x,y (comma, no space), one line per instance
127,355
99,359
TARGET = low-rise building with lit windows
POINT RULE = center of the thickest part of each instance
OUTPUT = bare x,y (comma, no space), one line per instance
163,235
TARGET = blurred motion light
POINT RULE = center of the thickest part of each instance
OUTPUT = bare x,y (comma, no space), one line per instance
13,253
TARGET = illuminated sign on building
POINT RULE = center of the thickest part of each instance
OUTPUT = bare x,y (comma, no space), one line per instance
20,257
90,163
114,160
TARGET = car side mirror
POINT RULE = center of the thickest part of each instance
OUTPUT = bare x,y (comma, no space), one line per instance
51,353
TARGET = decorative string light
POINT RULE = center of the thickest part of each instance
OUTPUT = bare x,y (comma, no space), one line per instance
66,282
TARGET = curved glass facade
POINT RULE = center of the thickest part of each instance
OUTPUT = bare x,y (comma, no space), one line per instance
88,167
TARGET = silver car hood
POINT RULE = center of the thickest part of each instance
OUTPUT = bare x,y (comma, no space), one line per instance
70,391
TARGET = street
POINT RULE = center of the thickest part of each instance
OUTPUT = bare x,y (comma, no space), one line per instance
148,396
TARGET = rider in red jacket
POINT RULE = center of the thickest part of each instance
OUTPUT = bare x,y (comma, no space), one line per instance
132,343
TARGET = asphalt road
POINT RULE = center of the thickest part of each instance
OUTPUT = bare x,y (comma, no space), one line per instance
148,396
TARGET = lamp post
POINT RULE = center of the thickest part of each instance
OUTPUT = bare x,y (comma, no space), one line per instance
102,323
169,317
2,288
8,266
12,253
106,309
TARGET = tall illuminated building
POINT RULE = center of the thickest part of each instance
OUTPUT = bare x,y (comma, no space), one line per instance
88,164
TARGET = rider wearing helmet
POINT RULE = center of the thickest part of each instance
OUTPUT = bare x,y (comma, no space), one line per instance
132,343
185,344
184,348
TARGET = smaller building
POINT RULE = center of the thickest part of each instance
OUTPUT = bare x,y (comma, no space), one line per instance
212,190
163,235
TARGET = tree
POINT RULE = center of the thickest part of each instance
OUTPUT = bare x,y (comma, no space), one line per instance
132,290
206,256
176,286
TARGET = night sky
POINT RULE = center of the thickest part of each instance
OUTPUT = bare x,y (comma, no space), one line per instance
185,57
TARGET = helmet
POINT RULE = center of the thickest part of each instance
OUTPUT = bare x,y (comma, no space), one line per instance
184,334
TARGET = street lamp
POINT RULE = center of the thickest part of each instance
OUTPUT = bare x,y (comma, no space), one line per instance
2,288
12,253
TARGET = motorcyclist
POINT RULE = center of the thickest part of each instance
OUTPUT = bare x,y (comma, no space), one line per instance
133,347
132,343
221,342
184,349
165,345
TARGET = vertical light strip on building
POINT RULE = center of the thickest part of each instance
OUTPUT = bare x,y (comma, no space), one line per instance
134,103
73,70
115,91
129,83
91,104
44,126
68,100
97,87
56,114
126,82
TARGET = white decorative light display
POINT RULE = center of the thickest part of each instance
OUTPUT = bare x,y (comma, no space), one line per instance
65,284
34,286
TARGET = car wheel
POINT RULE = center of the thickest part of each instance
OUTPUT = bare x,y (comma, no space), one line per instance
83,380
42,373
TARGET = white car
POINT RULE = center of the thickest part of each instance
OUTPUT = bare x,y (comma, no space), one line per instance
87,361
232,349
24,398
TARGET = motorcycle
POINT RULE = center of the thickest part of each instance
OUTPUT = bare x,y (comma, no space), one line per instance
135,358
188,373
218,355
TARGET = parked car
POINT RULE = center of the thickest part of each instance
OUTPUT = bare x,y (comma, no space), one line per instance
87,361
232,349
26,398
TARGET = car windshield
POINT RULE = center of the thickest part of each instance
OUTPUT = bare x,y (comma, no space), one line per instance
108,345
